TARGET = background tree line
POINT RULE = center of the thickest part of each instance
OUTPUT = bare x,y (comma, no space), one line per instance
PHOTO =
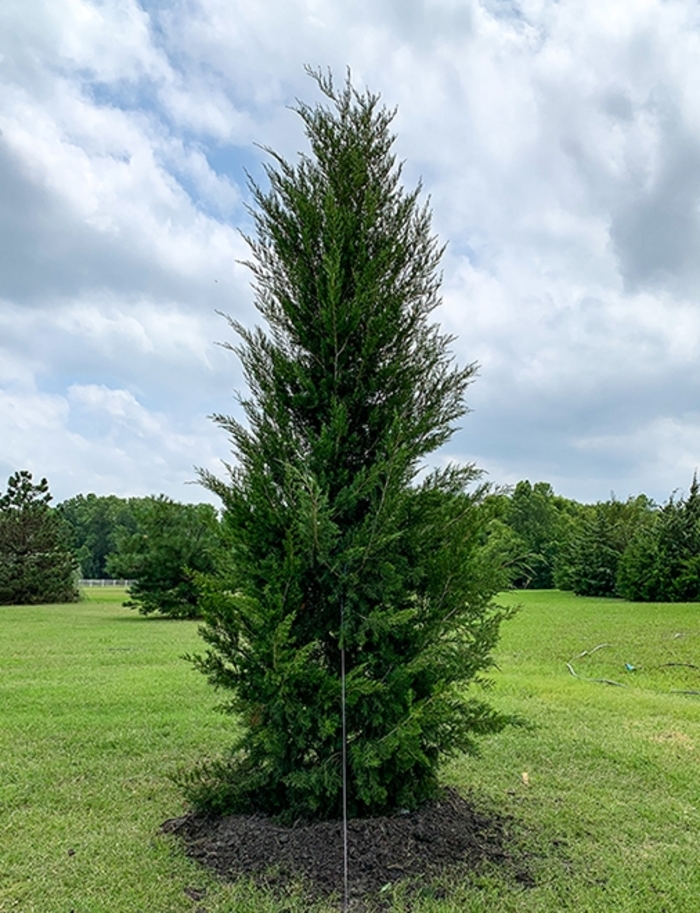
155,542
159,544
634,549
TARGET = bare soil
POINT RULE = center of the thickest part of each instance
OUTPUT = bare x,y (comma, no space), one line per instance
446,836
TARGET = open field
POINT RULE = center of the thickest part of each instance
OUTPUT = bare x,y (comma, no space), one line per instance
97,709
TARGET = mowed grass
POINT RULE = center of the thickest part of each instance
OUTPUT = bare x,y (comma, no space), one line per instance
97,710
611,807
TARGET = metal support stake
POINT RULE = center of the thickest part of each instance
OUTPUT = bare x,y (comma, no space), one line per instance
345,758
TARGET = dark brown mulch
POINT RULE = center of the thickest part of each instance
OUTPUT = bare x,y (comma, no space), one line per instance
412,847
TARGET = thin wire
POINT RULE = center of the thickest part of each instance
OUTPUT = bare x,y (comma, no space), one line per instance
345,758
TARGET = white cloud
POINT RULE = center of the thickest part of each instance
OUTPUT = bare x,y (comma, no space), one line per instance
80,36
560,143
119,405
104,440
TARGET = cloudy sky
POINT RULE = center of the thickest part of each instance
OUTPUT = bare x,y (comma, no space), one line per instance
560,146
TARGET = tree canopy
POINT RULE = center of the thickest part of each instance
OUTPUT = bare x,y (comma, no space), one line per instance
95,522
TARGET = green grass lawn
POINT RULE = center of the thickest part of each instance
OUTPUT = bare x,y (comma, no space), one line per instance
97,710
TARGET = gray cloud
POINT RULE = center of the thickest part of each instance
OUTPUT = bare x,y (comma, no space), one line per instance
656,228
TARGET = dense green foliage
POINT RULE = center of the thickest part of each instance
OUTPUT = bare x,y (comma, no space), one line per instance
36,562
95,522
335,545
528,528
631,548
597,543
662,561
532,515
171,545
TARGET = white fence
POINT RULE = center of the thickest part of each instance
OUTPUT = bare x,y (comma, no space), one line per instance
105,582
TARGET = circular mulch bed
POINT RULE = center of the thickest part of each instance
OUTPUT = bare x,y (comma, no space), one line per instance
409,847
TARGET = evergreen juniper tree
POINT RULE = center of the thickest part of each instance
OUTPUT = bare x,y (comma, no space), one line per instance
597,546
335,538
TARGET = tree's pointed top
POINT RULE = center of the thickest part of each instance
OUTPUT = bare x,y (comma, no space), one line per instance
347,100
324,80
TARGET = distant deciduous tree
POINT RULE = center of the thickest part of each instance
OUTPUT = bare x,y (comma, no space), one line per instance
171,544
538,523
502,547
95,521
36,562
